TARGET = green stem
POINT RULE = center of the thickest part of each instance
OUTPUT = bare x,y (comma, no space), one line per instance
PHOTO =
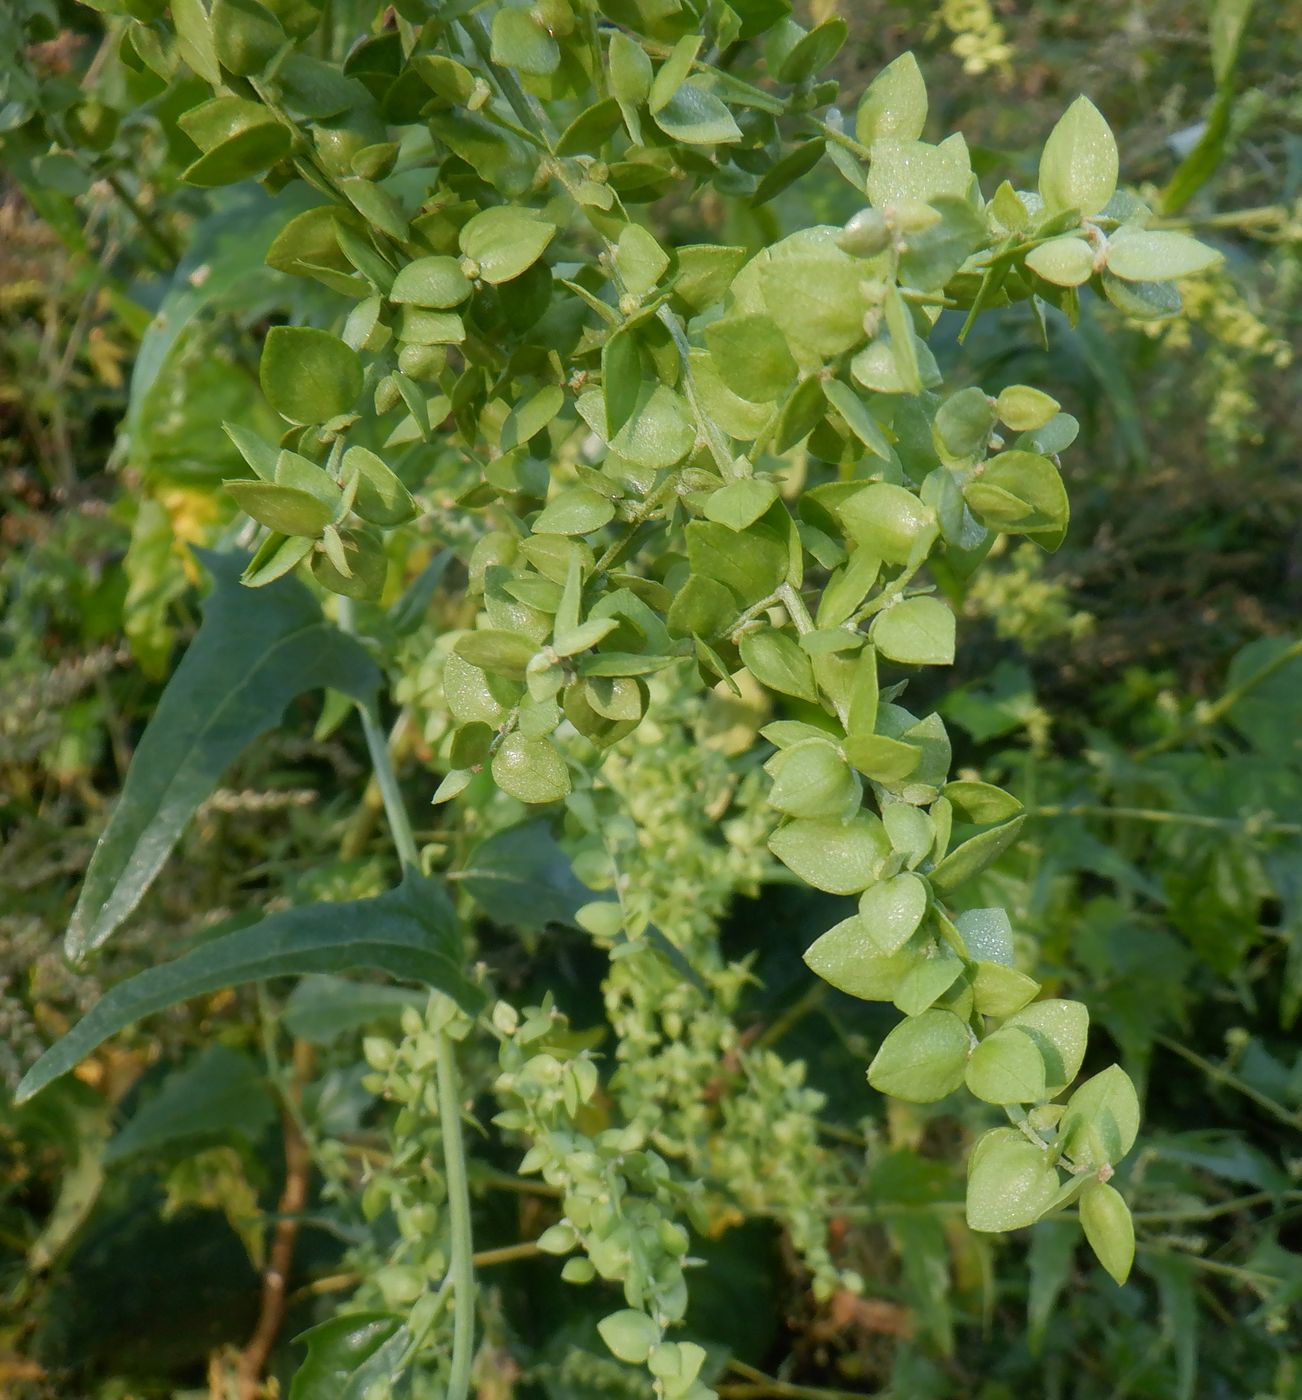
461,1274
709,429
1254,1278
1251,826
149,226
525,106
520,1185
744,619
795,606
856,148
1174,1217
377,745
758,1385
1266,215
1205,716
1218,1074
506,1254
793,1015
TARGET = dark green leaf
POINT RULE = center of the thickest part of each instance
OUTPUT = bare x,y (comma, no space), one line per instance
891,912
322,1008
221,1091
409,933
778,663
531,769
845,958
243,668
974,855
521,878
1060,1028
785,172
1007,1067
814,51
349,1356
917,632
281,508
505,240
741,503
365,566
437,282
520,41
1144,255
249,152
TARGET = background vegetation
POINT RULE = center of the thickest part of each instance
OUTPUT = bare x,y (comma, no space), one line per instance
1139,691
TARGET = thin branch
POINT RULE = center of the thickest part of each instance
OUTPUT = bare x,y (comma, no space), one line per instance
1220,1075
293,1198
1174,1217
709,429
506,1254
461,1273
1251,826
1204,716
758,1385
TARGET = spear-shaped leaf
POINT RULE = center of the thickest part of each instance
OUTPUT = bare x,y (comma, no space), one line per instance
242,669
409,932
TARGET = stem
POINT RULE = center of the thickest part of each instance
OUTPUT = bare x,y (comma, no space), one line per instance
1250,825
708,427
795,606
521,1185
461,1274
1254,1278
525,106
377,745
1206,715
293,1198
149,226
751,613
1219,1075
336,1283
758,1385
856,148
486,1258
1263,216
811,1000
1172,1217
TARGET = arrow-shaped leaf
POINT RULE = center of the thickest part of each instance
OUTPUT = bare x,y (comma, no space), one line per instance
408,932
243,668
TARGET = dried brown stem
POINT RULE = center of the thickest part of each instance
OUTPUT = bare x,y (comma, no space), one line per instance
275,1278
